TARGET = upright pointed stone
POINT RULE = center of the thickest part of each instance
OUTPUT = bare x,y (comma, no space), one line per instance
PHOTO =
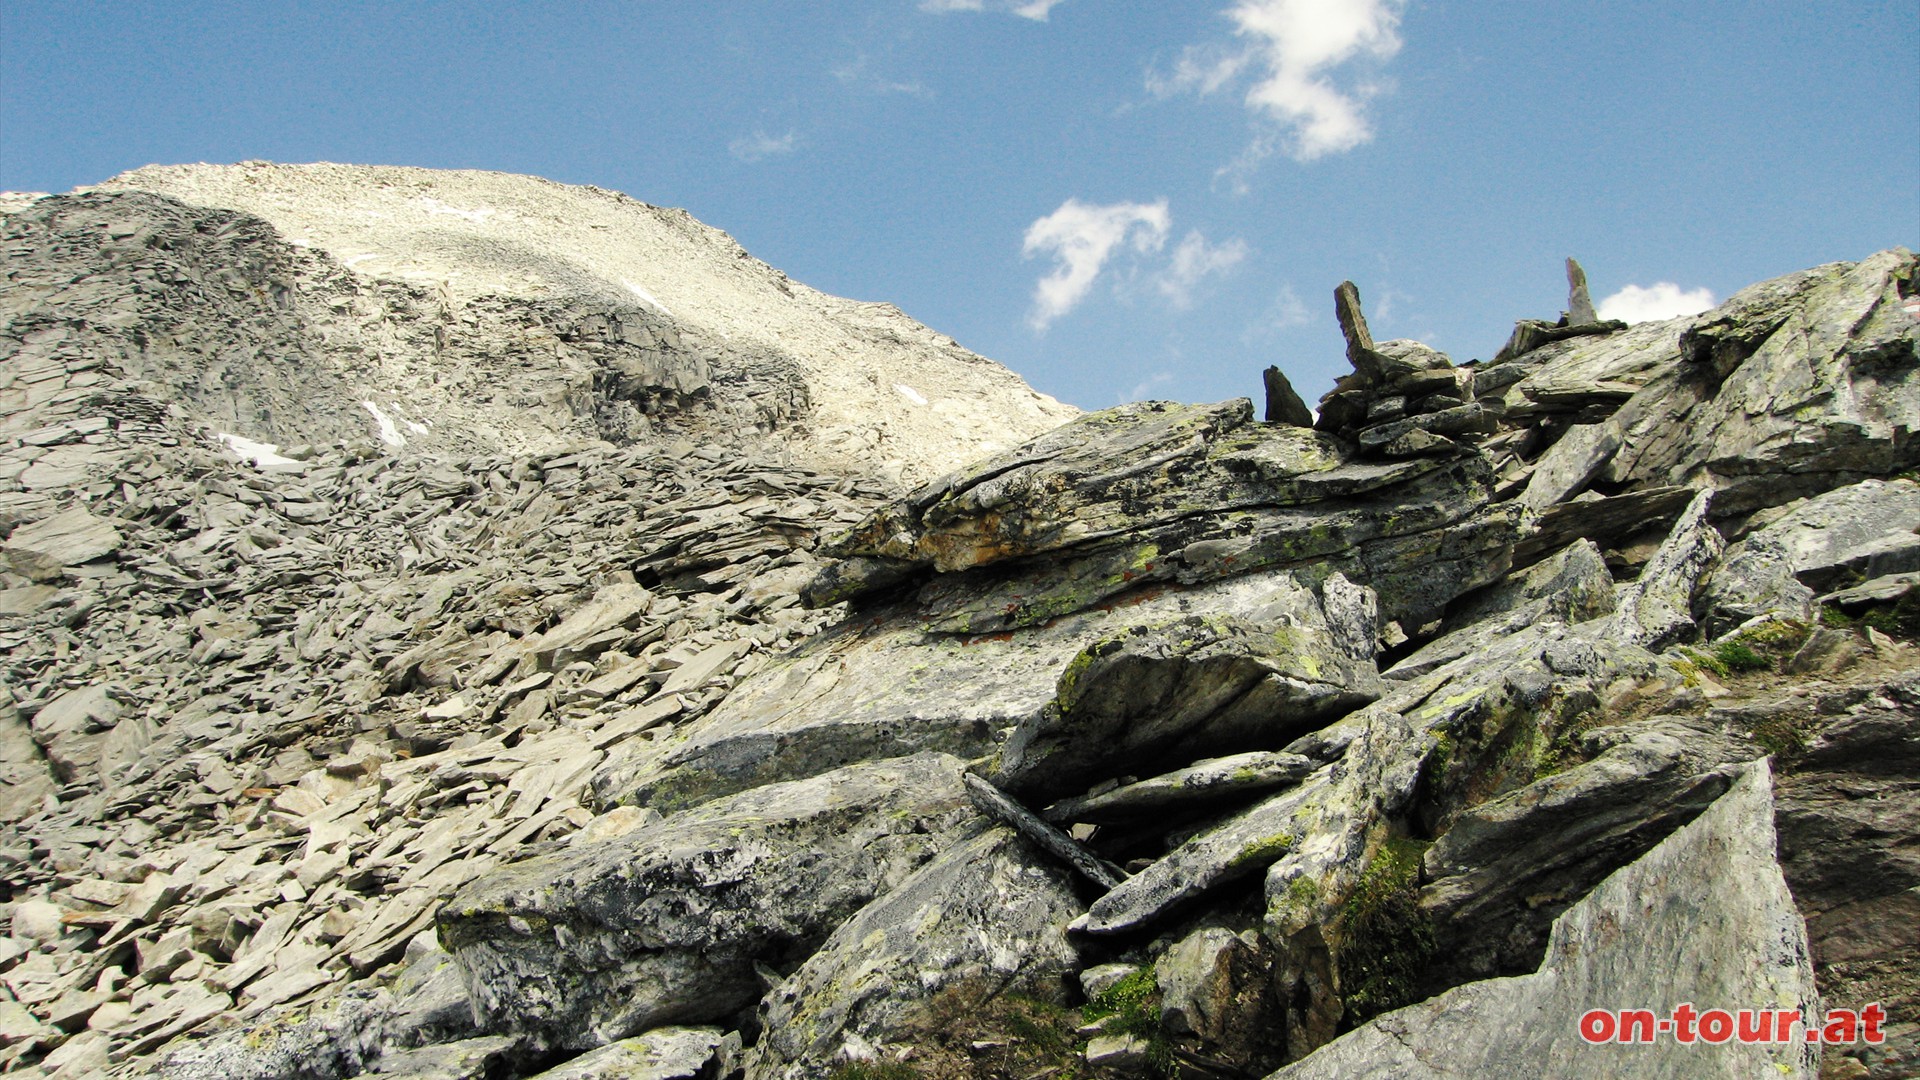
1579,302
1283,402
1353,324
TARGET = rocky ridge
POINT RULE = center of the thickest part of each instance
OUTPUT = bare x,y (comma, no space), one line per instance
356,763
519,315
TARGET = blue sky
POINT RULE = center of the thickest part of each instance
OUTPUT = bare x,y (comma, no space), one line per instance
1117,200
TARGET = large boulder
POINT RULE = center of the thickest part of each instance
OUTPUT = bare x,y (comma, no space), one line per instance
670,923
1314,829
1507,866
1866,530
1704,919
1792,387
986,916
43,550
1192,687
1848,809
882,687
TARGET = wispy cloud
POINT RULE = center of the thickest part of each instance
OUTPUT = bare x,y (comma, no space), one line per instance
759,146
1285,313
1292,51
1193,261
1027,9
858,73
1661,300
1140,390
1200,69
1081,237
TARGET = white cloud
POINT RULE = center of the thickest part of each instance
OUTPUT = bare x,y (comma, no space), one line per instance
759,146
1145,386
1036,9
859,73
1662,300
1193,261
1201,69
1285,313
1081,238
1295,48
1027,9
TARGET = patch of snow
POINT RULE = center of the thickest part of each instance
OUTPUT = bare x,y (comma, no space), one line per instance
389,433
435,206
352,261
645,295
260,453
910,393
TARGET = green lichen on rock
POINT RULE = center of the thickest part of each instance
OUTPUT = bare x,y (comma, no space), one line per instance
1265,851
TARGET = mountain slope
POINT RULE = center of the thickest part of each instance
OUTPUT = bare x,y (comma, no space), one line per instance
458,281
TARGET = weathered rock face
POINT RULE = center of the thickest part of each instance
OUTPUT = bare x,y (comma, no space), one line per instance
1848,803
986,915
667,923
1790,388
1190,688
1513,861
1707,910
1158,493
873,687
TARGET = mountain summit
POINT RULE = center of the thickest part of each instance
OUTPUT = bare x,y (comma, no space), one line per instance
517,314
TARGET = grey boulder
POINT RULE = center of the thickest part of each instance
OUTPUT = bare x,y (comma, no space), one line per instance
987,917
1704,918
669,923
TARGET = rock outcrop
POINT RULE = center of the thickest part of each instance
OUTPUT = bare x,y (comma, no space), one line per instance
1379,742
1707,910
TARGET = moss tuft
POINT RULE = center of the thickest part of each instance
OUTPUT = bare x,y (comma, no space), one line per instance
1899,619
1134,1002
1134,1005
874,1070
1387,940
1265,850
1737,656
1704,662
1776,634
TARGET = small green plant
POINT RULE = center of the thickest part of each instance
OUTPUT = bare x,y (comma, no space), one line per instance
1388,939
874,1070
1775,634
1707,662
1134,1005
1899,619
1737,656
1558,756
1780,736
1134,1002
1039,1025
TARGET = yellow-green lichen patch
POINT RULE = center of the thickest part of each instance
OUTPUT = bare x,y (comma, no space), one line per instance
1264,851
